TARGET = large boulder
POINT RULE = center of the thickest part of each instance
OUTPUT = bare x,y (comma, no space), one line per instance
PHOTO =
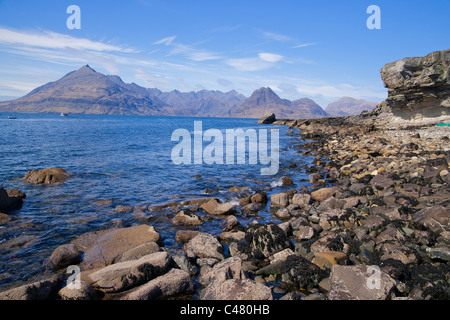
123,275
102,248
230,268
172,283
418,89
205,245
46,176
10,199
214,207
40,290
63,256
262,241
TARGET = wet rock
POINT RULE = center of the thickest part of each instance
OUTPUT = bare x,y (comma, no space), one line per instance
173,283
359,282
184,236
260,197
186,218
252,208
123,209
10,200
4,218
232,236
214,207
229,223
40,290
123,275
236,289
205,245
287,181
46,176
102,248
63,256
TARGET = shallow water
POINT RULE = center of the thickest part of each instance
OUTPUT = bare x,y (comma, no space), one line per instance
126,159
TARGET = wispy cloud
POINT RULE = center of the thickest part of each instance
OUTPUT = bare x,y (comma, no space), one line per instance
277,36
263,61
303,45
192,53
167,41
53,40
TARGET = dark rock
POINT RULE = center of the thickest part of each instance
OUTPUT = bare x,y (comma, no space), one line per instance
263,240
436,219
301,273
268,118
10,199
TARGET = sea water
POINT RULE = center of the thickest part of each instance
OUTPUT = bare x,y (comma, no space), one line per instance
125,160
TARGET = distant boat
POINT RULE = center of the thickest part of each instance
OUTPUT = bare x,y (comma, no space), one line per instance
64,114
12,117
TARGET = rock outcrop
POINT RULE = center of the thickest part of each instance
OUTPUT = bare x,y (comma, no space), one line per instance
46,176
418,89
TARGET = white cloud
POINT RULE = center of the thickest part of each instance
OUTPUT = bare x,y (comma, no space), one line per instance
53,40
277,36
270,57
340,90
263,61
192,53
303,45
165,41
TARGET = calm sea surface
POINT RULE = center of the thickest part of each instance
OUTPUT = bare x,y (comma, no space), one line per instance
126,159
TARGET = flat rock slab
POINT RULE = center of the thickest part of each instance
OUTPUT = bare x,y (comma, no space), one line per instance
40,290
102,248
172,283
123,275
237,289
359,282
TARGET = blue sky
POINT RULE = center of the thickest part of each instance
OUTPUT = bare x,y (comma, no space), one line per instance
317,49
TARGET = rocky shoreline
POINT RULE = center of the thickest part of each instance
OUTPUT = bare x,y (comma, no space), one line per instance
373,225
377,211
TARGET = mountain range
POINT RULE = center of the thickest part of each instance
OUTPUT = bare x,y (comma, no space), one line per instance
91,92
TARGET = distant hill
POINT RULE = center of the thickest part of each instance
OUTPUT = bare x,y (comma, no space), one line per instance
87,91
264,101
349,106
91,92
